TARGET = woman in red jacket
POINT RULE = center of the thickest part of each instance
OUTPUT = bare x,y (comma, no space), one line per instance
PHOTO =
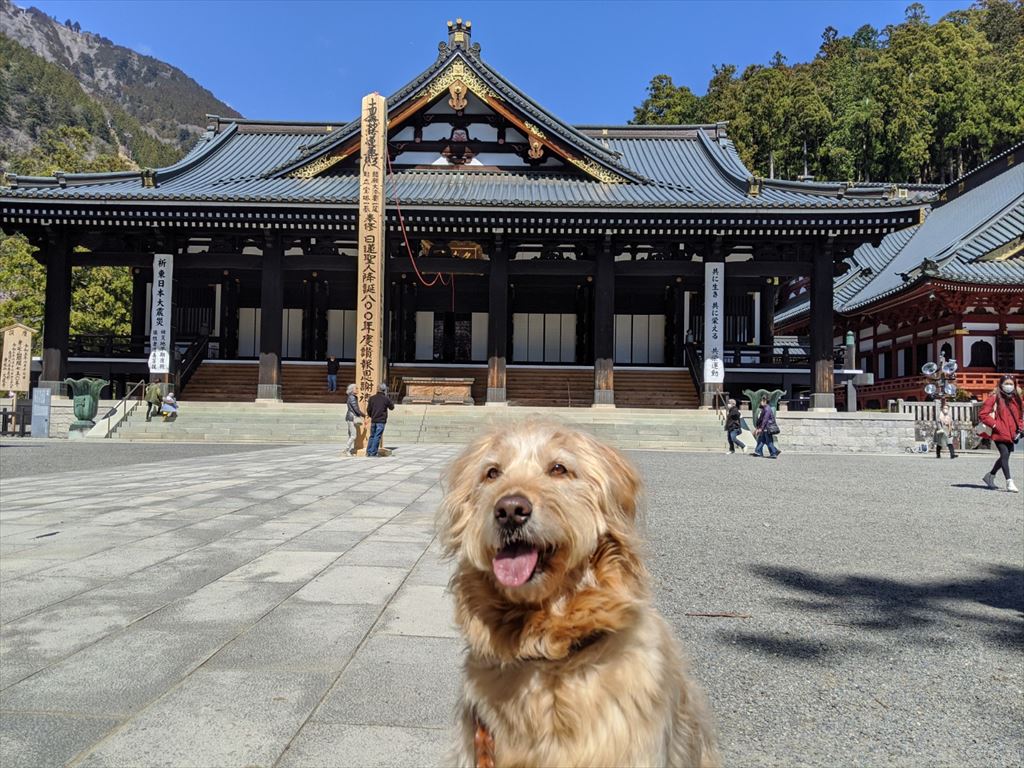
1003,411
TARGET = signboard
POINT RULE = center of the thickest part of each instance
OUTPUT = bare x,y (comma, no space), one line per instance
160,318
41,412
372,167
16,364
714,300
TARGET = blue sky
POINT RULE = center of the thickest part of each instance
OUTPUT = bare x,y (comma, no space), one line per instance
588,62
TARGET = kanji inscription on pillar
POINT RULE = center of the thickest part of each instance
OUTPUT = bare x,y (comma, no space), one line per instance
160,318
16,363
714,299
372,165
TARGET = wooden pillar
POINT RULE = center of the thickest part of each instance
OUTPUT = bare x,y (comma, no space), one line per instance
678,323
822,375
769,295
604,325
497,323
229,288
57,313
140,277
271,309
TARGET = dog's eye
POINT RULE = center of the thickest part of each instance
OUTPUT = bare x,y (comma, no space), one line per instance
493,473
557,469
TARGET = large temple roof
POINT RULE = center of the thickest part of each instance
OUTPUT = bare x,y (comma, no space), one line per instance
974,235
598,167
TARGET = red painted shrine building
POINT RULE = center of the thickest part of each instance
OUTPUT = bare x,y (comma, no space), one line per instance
952,286
554,264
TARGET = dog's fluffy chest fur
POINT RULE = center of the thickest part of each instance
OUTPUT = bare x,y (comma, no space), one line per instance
609,704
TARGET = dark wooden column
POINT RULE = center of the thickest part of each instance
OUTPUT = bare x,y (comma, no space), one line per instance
769,295
822,375
497,323
57,314
271,307
229,317
676,325
604,325
140,278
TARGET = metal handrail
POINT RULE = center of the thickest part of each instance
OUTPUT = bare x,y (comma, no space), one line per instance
123,406
190,361
694,366
719,401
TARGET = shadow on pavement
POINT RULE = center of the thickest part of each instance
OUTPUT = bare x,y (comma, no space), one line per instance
887,605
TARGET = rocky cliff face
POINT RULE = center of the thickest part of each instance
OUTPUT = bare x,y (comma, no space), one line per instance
167,102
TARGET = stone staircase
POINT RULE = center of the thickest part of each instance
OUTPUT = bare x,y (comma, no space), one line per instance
681,430
526,386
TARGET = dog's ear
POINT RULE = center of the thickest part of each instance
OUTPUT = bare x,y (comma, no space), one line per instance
620,478
459,482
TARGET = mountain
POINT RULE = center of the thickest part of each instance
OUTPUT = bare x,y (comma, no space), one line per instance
134,105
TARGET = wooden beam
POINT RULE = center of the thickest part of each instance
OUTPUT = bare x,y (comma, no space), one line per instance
658,268
546,268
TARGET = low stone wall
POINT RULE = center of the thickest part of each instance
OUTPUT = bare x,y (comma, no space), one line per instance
859,432
62,413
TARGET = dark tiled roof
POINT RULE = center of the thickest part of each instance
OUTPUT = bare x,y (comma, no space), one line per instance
665,167
955,243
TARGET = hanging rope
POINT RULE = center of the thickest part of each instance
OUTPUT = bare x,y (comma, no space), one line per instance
438,277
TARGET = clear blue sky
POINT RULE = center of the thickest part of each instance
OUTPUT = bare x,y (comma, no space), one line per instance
588,62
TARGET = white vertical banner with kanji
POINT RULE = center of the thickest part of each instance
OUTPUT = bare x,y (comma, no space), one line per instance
714,301
160,317
372,167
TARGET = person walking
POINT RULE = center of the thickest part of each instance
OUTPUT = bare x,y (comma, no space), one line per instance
765,431
352,412
1003,412
944,432
332,374
153,399
733,427
377,408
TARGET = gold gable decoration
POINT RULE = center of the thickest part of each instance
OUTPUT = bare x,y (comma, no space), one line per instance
598,172
317,166
458,72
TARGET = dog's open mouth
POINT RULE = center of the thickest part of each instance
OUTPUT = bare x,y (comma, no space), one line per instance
516,563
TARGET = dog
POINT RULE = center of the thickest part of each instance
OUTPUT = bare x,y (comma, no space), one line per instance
568,662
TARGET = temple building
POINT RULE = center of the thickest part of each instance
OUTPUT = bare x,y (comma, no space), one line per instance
551,263
952,287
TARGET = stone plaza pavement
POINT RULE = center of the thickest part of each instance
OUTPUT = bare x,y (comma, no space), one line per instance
286,607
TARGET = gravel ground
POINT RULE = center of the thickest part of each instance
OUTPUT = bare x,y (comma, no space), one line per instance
885,599
22,457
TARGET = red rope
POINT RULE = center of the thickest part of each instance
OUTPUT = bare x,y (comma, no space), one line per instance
438,277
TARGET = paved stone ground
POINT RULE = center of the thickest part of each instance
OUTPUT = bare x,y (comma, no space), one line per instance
285,607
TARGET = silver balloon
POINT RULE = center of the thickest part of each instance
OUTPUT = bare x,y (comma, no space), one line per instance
949,389
929,368
930,389
949,368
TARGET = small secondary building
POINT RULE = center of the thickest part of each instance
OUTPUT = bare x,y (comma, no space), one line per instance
952,287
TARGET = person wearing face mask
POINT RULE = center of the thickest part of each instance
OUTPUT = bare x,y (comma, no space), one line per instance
944,432
1003,412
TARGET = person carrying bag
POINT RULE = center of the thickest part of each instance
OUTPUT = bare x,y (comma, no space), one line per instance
1003,414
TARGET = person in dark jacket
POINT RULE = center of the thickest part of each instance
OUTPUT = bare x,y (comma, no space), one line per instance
332,374
377,409
765,431
733,427
352,412
1003,412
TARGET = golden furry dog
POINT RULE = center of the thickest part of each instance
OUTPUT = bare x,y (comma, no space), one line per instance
568,663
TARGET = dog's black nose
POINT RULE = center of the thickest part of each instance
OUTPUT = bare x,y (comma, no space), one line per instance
512,511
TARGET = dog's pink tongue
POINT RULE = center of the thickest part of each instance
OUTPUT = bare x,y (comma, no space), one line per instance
514,566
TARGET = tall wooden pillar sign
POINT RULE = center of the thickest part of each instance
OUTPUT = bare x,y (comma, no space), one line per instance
160,319
369,328
714,300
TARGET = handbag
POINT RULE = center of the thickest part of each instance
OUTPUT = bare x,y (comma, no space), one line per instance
773,429
981,429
